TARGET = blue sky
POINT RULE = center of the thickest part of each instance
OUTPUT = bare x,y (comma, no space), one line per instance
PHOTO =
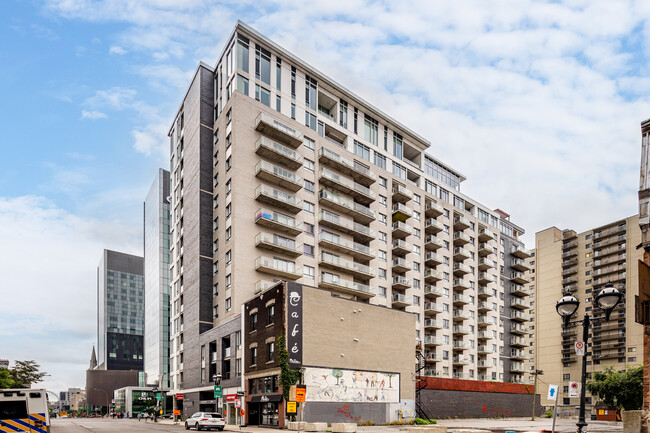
537,103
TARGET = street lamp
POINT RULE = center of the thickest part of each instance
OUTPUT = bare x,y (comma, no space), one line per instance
607,299
216,378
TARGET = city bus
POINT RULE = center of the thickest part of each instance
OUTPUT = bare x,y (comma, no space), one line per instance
24,410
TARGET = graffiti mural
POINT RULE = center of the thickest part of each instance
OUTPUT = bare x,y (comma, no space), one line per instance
338,385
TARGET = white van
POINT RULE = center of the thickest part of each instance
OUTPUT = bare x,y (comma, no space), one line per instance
24,410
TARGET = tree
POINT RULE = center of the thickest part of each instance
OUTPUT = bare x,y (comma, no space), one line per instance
5,379
619,389
338,374
24,373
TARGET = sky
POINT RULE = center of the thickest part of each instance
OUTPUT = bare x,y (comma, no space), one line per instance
538,103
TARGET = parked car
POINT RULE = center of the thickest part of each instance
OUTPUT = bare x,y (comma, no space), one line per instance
206,420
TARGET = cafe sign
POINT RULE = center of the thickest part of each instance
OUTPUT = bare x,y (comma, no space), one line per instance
294,325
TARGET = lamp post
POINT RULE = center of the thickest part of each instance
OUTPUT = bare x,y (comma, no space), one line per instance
107,407
607,299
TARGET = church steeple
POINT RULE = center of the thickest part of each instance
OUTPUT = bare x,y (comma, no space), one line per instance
93,360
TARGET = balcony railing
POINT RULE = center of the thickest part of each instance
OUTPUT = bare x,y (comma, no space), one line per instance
361,291
274,173
275,197
278,221
278,152
272,127
280,268
355,249
278,244
361,174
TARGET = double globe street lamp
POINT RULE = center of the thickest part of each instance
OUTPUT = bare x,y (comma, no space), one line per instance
607,299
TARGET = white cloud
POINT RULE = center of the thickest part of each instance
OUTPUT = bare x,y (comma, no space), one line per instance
93,115
49,312
116,49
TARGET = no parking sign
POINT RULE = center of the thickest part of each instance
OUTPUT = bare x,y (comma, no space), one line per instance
574,389
580,348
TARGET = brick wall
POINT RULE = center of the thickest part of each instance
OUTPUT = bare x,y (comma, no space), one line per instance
477,385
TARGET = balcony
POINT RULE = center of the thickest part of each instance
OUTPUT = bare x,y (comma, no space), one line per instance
280,268
608,241
262,285
346,225
461,300
401,212
401,265
569,280
461,254
485,249
519,304
569,245
359,212
485,264
462,376
430,340
570,253
401,194
334,242
432,243
281,176
485,278
461,269
485,350
401,247
460,345
270,126
517,354
610,231
432,209
570,271
347,186
433,291
485,364
518,342
614,259
429,357
433,226
484,320
432,307
358,172
432,276
519,290
278,153
277,221
484,292
609,270
517,368
431,324
333,282
460,360
460,284
433,259
278,244
274,197
518,328
462,330
520,265
357,269
485,307
460,315
519,277
401,230
400,301
401,283
518,316
571,262
519,251
485,235
430,372
461,238
461,223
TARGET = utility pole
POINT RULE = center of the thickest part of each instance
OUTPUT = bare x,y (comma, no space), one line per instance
642,304
535,373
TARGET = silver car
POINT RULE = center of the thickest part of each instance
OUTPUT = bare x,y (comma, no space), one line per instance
205,420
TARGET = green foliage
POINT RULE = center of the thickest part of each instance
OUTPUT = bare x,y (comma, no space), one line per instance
25,373
367,423
619,389
338,374
548,414
288,377
421,421
5,379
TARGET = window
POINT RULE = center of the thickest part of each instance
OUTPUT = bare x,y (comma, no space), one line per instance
278,103
444,195
381,273
228,256
382,218
383,181
308,228
308,272
228,281
228,210
382,236
370,129
293,86
215,311
398,170
382,291
397,146
253,321
228,233
310,120
356,119
293,111
270,314
383,200
228,186
310,93
382,255
242,85
308,207
309,186
270,350
309,164
262,95
380,161
228,163
242,55
253,355
228,304
262,64
343,113
361,150
278,74
308,250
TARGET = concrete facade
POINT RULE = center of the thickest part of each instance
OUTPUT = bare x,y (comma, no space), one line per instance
581,264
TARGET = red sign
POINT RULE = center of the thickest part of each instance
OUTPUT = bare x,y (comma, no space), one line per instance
301,391
231,397
180,396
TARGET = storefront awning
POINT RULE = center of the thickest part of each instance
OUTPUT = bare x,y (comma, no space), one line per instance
266,398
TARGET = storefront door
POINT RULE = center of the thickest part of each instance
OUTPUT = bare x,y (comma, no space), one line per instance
270,414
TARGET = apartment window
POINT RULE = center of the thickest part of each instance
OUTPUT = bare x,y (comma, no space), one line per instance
228,281
308,207
444,195
382,236
263,65
370,129
270,314
399,171
416,249
263,95
566,376
278,103
310,120
383,200
228,233
308,250
383,181
416,215
356,119
293,86
416,232
459,202
278,74
215,311
228,304
242,55
382,218
380,160
253,321
416,283
253,355
416,266
383,291
228,256
308,228
308,272
270,350
228,186
228,210
382,255
361,150
397,146
228,163
430,187
309,164
416,198
416,300
309,186
293,110
381,273
242,85
310,92
343,113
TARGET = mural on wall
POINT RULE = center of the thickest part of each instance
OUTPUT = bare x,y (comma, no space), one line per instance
334,385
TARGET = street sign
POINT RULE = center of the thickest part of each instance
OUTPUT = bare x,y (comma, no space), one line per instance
177,412
301,392
580,348
240,393
217,391
574,389
237,403
179,396
552,392
291,407
158,396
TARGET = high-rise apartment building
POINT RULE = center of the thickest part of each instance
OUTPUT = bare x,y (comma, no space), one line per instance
120,312
582,264
156,281
280,173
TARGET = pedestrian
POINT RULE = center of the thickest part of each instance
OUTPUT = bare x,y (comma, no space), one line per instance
127,415
139,416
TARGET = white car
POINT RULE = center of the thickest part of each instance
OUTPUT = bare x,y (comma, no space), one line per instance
205,420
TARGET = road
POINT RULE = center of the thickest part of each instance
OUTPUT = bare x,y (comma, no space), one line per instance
104,425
